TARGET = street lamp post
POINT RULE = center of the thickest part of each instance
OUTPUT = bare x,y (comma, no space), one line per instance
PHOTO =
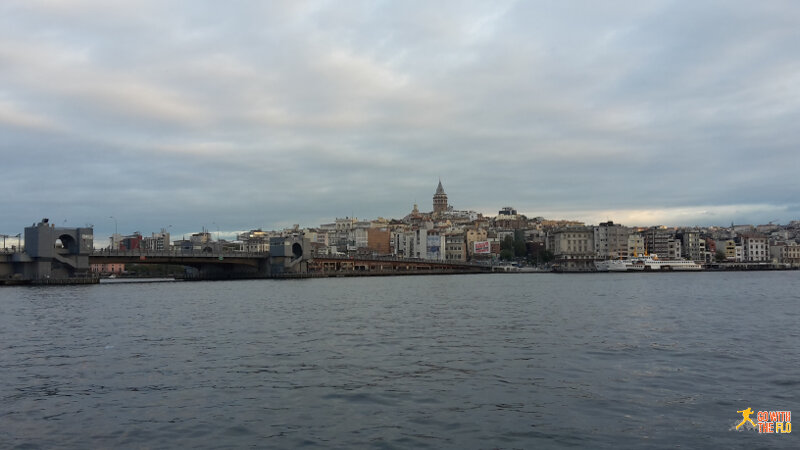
111,245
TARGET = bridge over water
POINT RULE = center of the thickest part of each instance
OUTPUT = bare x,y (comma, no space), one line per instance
230,265
54,254
65,255
216,265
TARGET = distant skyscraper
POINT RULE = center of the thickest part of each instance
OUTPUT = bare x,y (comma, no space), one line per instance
439,200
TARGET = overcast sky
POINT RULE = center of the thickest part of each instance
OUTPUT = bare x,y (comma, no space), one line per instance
244,114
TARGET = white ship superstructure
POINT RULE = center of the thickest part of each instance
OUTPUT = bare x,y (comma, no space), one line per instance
646,263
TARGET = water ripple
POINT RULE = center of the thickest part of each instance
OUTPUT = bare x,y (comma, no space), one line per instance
500,361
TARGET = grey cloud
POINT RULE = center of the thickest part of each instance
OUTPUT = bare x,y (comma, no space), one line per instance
253,114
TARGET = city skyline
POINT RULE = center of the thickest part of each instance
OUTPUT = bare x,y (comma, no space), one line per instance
227,234
299,112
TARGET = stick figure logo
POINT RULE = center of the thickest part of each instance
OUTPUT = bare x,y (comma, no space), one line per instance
746,417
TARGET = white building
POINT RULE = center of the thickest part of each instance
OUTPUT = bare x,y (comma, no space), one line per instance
420,243
755,247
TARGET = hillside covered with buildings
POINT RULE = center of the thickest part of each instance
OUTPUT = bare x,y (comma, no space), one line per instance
450,234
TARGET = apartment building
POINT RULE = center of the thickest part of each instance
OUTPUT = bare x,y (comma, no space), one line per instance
573,248
610,240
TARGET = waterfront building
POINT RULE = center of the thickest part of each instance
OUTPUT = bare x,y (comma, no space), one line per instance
733,251
411,244
420,243
359,235
755,248
455,247
379,241
662,242
790,254
343,237
474,235
435,245
494,245
675,249
635,245
572,248
610,240
400,244
693,246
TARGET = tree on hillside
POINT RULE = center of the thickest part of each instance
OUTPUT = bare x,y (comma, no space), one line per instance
507,249
519,248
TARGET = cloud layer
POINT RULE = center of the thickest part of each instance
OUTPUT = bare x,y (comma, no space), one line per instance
252,114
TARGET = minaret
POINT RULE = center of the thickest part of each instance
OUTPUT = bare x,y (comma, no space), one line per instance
439,200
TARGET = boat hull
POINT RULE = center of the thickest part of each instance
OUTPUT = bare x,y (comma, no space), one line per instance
647,264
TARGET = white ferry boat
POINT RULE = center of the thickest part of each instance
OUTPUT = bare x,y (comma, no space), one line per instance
645,263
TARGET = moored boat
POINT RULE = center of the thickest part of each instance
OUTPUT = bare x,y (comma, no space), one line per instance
646,263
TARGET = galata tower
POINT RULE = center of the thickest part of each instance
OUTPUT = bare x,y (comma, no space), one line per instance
439,200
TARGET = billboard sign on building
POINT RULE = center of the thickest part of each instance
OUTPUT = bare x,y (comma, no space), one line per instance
482,248
434,246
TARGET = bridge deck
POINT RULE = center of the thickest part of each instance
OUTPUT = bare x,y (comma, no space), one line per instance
176,257
315,265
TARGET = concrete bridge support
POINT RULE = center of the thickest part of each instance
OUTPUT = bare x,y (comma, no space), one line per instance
289,255
51,254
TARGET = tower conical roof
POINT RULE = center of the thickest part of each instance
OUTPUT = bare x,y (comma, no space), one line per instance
440,189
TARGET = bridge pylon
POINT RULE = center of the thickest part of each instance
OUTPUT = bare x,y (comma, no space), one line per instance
289,255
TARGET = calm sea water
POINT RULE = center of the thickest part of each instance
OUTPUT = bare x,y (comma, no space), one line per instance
474,361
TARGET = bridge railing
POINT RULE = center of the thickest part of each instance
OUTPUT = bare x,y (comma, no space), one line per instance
176,254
